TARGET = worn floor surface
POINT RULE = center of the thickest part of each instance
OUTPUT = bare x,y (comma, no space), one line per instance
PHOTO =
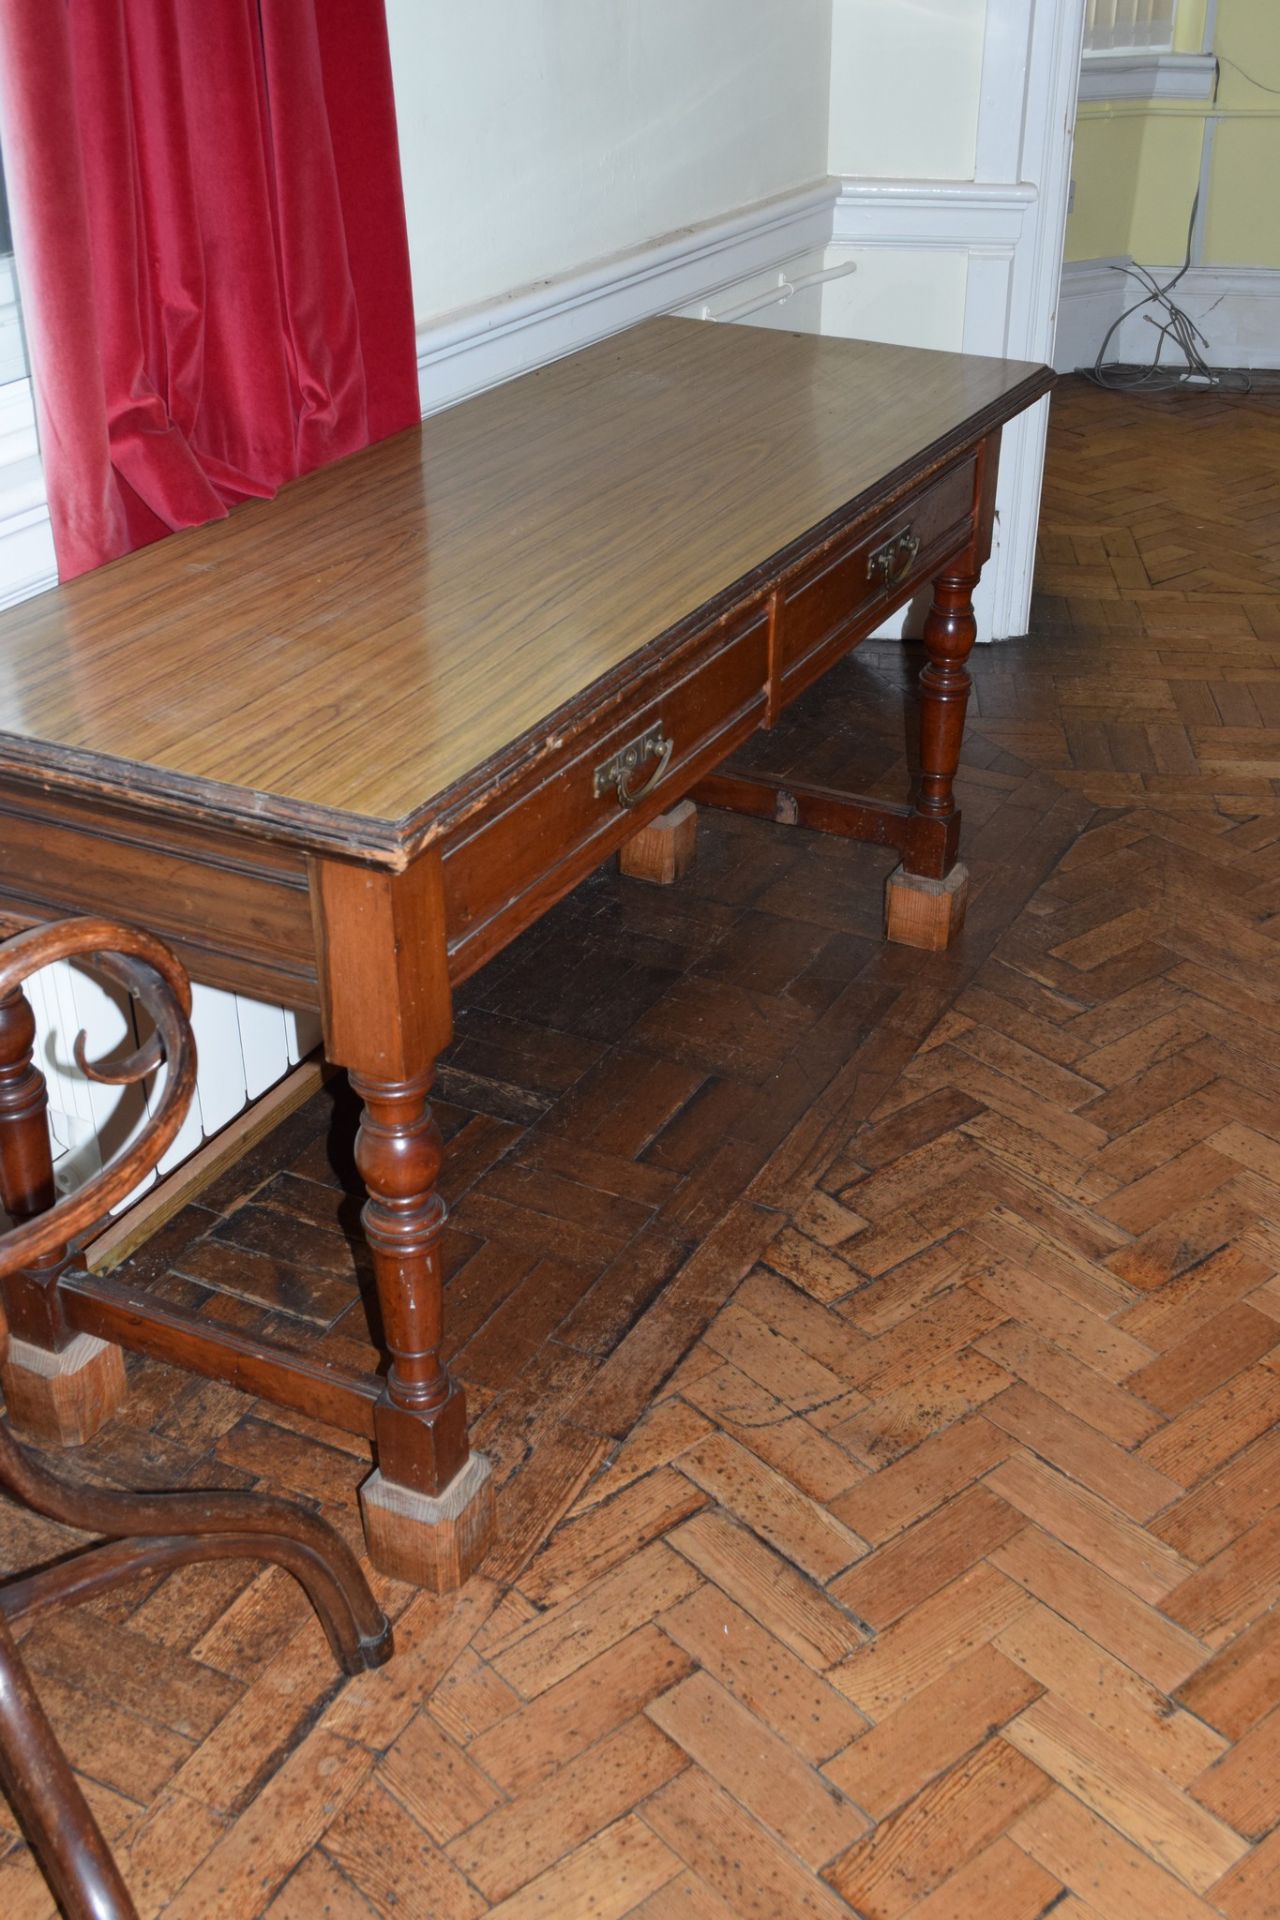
879,1353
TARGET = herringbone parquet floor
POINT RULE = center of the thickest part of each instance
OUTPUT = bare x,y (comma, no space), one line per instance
879,1352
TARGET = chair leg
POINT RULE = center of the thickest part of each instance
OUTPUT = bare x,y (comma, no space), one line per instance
175,1528
99,1569
37,1779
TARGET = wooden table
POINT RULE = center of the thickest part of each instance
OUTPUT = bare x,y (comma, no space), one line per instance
343,746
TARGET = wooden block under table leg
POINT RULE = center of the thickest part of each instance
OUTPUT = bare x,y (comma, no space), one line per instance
433,1542
664,850
920,912
61,1399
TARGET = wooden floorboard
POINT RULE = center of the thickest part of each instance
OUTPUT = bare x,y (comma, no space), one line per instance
879,1352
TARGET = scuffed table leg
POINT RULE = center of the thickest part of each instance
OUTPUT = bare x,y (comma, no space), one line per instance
428,1505
663,851
925,897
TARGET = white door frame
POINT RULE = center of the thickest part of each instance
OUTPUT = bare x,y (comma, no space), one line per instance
1031,55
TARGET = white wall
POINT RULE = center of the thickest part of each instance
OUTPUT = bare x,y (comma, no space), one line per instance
905,93
539,135
905,80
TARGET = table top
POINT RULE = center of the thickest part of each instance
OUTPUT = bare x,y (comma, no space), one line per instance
352,650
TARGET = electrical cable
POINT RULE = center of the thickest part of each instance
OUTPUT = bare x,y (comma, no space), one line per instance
1225,60
1178,330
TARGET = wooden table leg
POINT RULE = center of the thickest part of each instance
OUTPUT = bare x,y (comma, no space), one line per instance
925,897
428,1506
59,1386
664,850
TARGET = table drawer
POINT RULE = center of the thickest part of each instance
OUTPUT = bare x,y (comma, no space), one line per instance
864,575
510,865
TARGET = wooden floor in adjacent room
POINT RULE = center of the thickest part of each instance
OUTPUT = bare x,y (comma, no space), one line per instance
879,1352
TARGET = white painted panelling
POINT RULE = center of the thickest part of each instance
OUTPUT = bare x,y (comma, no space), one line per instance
221,1077
263,1045
939,260
89,1122
987,93
908,296
244,1046
302,1034
464,353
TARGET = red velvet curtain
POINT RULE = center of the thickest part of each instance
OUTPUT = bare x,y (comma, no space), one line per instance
211,250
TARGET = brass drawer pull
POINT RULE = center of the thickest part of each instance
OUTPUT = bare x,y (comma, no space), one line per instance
618,771
892,562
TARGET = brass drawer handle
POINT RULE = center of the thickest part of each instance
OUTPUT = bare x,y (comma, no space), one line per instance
892,562
619,770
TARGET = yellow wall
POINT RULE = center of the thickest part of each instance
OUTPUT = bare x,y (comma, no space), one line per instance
1137,163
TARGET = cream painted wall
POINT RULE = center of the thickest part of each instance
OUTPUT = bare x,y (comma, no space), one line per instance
537,136
905,83
1243,227
1137,166
540,135
904,87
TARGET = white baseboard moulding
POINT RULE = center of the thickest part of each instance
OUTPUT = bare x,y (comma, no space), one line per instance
1236,308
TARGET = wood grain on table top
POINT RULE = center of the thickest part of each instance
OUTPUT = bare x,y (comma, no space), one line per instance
364,641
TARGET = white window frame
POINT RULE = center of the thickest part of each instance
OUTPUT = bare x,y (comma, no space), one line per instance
1129,26
27,563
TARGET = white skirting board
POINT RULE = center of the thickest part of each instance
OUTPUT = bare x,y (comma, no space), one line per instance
1236,308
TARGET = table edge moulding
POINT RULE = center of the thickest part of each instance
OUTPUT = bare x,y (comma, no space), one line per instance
341,748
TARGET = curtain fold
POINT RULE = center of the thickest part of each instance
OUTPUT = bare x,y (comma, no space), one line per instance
211,249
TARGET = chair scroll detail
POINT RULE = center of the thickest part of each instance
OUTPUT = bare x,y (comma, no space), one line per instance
143,1533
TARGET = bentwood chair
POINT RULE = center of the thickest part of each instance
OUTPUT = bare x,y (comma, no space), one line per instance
142,1533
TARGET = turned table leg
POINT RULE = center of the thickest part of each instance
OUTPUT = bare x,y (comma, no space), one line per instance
428,1506
926,896
59,1386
